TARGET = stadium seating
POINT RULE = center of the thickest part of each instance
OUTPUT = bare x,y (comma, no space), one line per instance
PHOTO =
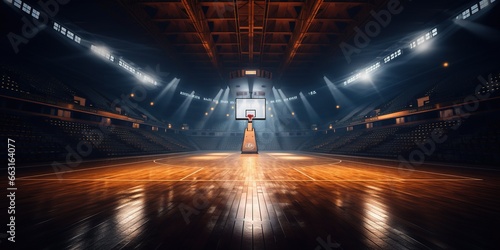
44,137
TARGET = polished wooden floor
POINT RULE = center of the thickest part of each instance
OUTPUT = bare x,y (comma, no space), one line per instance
226,200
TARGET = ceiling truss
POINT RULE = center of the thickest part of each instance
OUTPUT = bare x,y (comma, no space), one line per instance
277,35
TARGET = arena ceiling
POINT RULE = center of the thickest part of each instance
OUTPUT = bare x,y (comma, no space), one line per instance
288,38
203,41
293,39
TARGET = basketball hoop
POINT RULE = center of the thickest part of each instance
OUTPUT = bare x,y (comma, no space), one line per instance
250,117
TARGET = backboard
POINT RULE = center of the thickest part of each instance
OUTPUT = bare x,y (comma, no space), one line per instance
255,106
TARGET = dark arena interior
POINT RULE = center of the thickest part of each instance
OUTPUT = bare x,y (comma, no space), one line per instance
250,124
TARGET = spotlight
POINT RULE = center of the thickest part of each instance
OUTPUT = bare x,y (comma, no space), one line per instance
251,72
227,115
425,46
338,106
152,103
293,113
445,64
212,108
365,77
132,95
206,113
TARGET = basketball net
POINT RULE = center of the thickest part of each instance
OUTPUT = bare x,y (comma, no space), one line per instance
250,117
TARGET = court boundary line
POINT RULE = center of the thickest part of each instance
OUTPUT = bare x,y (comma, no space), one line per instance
277,158
421,171
105,166
47,164
304,174
166,164
394,160
385,166
296,153
191,174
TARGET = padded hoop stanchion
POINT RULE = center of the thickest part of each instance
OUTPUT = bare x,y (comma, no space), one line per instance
249,145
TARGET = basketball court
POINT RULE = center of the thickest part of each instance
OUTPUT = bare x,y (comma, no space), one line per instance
270,200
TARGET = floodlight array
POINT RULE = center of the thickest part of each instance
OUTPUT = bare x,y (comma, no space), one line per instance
190,95
286,99
26,8
137,72
361,74
424,38
475,8
393,56
352,79
69,34
465,14
368,70
372,68
419,41
102,52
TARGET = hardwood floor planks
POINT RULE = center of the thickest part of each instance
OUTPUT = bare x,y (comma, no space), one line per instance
279,200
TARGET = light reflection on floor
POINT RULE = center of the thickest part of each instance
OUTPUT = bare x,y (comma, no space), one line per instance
249,202
280,154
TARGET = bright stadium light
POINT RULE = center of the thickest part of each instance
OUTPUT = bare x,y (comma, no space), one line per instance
145,78
365,77
422,41
393,56
138,73
103,52
372,67
250,72
424,47
475,8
